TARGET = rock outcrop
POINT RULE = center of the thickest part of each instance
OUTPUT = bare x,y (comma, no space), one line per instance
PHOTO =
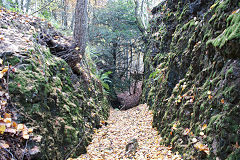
62,107
192,76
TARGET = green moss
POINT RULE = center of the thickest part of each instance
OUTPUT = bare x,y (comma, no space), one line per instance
228,91
202,107
235,155
229,72
215,121
231,32
185,9
193,23
215,74
206,36
197,128
71,134
174,139
209,139
13,60
48,96
226,107
185,26
223,4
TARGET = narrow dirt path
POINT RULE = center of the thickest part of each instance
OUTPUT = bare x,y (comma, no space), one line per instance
110,141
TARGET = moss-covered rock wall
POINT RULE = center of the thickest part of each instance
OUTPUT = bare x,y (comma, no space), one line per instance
192,77
63,108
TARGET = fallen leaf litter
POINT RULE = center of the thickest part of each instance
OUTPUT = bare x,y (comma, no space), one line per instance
109,142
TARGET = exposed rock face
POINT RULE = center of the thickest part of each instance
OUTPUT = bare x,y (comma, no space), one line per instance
192,76
62,107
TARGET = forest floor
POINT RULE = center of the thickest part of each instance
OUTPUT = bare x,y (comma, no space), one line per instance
17,30
110,141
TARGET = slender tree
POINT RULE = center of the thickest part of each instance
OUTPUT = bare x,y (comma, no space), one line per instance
21,5
80,28
73,20
27,5
64,14
141,15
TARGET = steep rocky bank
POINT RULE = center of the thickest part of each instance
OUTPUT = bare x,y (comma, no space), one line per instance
192,76
62,107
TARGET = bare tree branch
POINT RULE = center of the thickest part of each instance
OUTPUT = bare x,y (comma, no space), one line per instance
43,7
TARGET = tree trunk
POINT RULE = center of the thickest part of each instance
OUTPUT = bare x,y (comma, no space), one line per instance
21,5
16,5
130,71
80,29
73,20
27,5
127,61
114,54
68,53
54,14
64,14
137,16
141,15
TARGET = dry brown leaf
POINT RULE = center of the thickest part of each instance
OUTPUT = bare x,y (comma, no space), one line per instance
204,127
186,131
20,127
194,140
201,134
8,120
3,103
236,11
4,145
222,101
14,124
2,129
4,70
210,96
30,130
201,147
11,130
26,136
1,75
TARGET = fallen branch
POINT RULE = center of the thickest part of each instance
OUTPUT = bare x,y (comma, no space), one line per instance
23,154
73,149
9,152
